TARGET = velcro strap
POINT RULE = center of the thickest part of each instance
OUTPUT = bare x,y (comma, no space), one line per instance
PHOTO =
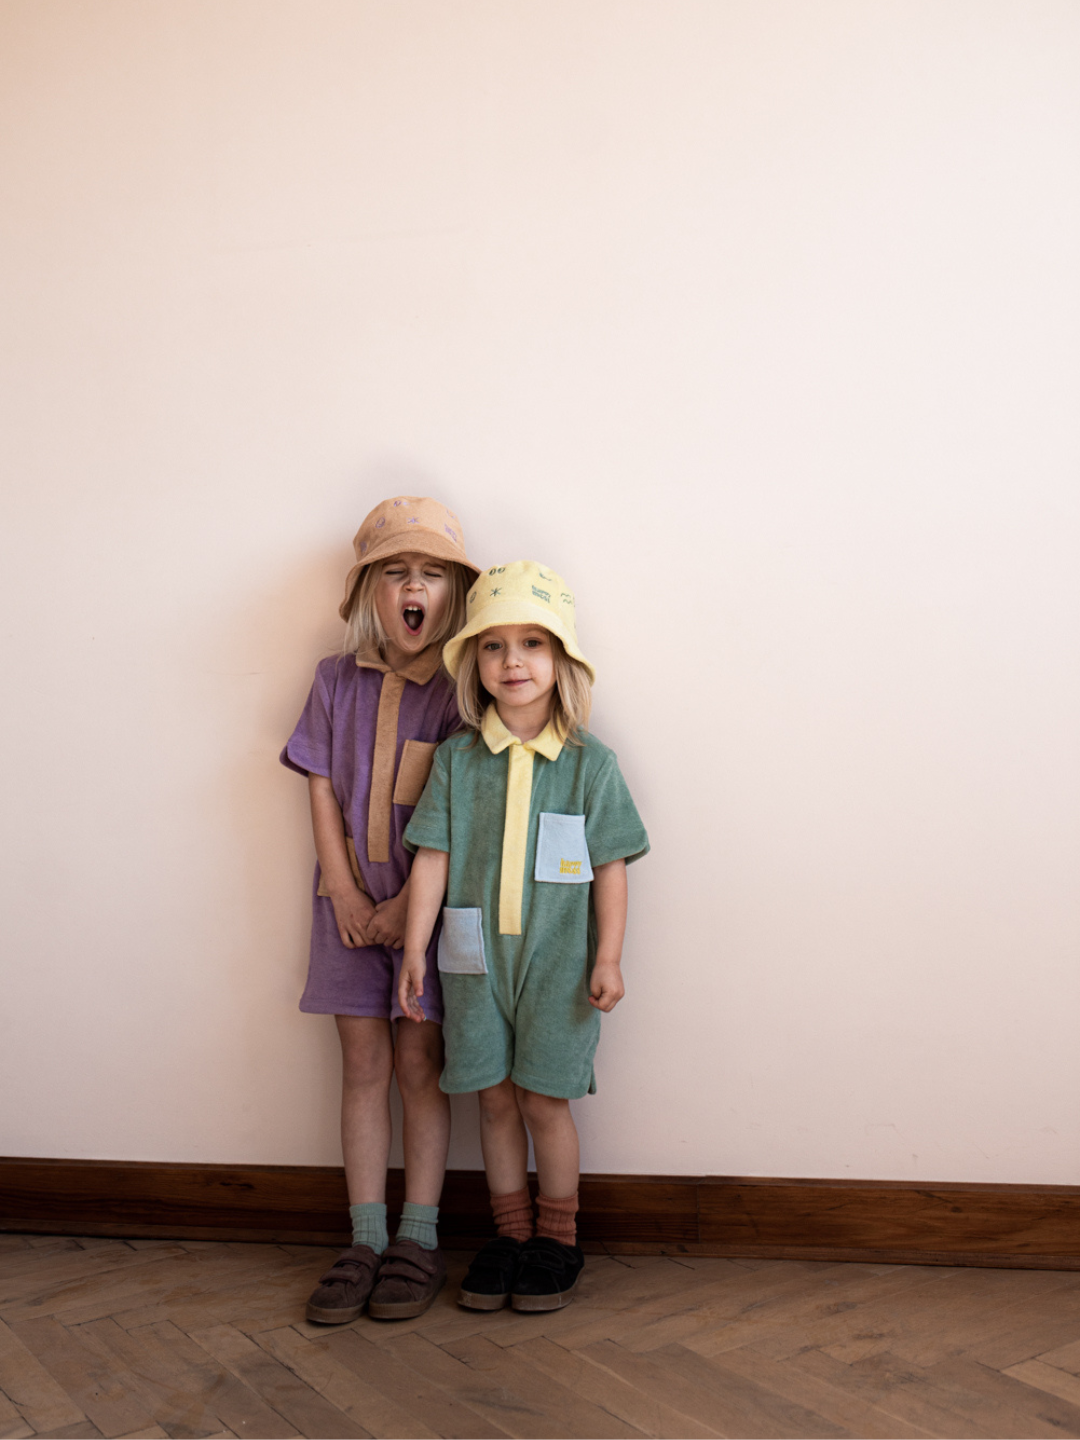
546,1260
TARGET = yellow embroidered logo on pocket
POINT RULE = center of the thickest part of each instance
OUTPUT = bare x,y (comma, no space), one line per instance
569,867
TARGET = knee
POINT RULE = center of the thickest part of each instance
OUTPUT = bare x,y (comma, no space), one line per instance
498,1103
418,1068
365,1069
541,1112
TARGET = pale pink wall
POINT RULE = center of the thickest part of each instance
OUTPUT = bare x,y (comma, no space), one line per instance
759,320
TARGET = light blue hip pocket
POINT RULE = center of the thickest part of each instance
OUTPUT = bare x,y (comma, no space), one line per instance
461,942
562,854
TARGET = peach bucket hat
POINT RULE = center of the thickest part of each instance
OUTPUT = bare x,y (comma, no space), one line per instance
407,522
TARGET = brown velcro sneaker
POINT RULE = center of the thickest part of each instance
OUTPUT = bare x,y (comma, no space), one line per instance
342,1292
409,1279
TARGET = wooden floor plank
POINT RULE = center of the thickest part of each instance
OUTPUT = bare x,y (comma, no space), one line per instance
1004,1406
342,1387
856,1414
610,1306
895,1386
647,1412
977,1303
392,1371
690,1384
102,1395
223,1294
1047,1378
81,1431
243,1411
553,1401
308,1411
1008,1339
41,1400
176,1393
156,1282
13,1424
1063,1357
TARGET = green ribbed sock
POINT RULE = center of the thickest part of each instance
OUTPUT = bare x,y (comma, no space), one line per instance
418,1223
369,1226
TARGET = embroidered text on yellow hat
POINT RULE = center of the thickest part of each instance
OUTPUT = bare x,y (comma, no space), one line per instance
521,593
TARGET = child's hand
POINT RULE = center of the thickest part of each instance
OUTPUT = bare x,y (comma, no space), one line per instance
353,911
411,985
606,986
387,924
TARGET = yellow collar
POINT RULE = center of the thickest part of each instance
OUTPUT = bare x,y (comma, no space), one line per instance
420,669
497,737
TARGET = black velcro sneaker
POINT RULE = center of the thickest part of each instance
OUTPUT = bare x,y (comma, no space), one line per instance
548,1273
490,1277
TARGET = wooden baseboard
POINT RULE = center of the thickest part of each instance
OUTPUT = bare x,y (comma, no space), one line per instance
1026,1226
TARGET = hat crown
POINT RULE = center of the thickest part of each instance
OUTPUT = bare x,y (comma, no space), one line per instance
526,581
395,523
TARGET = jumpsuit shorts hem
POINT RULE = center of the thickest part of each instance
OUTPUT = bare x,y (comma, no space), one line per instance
552,1088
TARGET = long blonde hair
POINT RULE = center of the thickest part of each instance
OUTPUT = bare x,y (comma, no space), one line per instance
364,630
573,691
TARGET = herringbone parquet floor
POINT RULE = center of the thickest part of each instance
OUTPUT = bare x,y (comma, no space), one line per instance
155,1338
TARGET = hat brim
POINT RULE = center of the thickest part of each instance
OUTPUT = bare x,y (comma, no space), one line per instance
512,611
423,543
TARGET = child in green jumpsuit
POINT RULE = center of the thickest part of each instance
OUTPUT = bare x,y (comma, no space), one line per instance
522,838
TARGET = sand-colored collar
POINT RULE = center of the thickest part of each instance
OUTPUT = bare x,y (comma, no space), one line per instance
497,737
420,669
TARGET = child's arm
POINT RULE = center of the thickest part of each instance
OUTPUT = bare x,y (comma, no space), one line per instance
352,908
387,925
427,887
606,986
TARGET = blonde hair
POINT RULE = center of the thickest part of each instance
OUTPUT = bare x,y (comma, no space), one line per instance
573,691
364,630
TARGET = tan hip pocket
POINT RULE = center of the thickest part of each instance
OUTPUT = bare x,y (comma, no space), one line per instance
415,767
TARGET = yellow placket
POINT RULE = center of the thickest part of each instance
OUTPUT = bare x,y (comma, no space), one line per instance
518,801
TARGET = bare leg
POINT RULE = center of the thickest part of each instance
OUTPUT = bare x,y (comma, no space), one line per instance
367,1063
503,1139
418,1063
555,1141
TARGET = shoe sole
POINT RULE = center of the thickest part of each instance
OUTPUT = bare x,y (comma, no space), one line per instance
403,1309
473,1301
544,1302
334,1317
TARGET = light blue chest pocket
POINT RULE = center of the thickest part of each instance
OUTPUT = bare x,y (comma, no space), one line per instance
461,942
562,854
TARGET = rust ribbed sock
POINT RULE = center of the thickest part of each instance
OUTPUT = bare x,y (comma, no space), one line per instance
555,1218
513,1214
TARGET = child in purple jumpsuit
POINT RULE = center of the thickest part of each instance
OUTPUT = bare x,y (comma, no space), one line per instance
365,741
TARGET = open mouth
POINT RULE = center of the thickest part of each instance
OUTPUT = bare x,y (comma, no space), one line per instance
413,615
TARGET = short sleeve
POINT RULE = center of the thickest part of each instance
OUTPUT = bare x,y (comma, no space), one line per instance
613,827
308,749
429,827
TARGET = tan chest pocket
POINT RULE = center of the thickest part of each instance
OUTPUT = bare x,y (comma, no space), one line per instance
416,761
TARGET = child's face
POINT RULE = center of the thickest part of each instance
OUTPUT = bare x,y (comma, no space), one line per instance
517,667
411,597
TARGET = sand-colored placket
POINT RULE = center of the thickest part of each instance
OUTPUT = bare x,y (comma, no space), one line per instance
384,756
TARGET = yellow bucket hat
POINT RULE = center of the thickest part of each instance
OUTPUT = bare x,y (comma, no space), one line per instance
407,522
521,593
